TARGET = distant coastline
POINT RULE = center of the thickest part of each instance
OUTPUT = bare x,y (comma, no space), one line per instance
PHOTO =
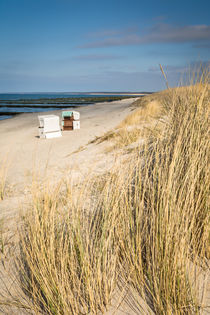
12,104
80,93
123,93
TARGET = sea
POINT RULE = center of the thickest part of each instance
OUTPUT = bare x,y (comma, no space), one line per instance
11,109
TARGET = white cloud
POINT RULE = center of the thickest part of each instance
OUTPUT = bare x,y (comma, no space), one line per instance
160,33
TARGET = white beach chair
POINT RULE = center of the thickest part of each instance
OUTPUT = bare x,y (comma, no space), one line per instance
49,126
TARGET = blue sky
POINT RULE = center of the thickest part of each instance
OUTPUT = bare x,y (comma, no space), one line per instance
88,45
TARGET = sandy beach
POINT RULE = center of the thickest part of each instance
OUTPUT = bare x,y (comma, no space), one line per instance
26,152
110,217
27,157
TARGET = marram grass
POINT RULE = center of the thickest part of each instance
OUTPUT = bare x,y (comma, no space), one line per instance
143,229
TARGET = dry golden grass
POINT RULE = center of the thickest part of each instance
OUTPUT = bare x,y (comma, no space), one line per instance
137,125
166,220
3,176
1,237
150,110
143,229
67,262
120,137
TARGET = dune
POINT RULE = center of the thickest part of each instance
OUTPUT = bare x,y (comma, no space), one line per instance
83,153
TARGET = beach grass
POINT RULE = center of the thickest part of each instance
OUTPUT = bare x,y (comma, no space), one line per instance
146,111
142,229
144,120
4,166
2,242
68,255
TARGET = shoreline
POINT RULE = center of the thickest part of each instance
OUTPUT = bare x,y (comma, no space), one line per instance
22,106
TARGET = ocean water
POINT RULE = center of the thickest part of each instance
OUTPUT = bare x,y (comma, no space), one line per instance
25,96
9,110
